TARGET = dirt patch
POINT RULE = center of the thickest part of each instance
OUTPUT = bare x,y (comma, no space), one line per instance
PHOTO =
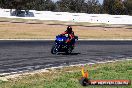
43,31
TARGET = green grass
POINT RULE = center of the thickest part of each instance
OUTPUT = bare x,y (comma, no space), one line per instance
68,76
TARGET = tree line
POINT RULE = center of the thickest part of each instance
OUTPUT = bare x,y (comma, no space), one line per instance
115,7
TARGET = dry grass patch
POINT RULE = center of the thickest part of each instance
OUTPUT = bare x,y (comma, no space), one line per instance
44,31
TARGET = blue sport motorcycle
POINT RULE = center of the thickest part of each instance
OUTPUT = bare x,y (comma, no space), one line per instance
60,44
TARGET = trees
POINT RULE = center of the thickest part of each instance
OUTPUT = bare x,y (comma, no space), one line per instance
92,6
128,5
86,6
113,7
14,4
66,5
49,5
79,5
107,4
27,4
43,5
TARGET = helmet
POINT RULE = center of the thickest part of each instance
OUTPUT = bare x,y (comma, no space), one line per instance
69,29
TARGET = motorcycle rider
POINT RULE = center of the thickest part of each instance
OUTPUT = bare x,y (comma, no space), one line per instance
70,34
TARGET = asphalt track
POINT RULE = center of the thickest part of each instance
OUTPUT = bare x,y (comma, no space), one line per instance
20,56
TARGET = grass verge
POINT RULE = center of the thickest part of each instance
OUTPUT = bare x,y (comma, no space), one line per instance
49,30
67,77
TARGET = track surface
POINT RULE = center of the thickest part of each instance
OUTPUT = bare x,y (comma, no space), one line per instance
16,56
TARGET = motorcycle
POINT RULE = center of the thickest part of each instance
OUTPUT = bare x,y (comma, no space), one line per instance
60,44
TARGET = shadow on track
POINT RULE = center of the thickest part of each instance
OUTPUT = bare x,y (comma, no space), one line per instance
68,54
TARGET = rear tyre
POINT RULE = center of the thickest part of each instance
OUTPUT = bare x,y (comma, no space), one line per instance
54,49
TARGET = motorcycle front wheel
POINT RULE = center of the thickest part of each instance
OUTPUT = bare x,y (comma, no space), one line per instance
54,49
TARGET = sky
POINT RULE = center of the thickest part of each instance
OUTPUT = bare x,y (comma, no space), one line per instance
101,1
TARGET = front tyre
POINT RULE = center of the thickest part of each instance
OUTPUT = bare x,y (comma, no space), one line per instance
54,49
